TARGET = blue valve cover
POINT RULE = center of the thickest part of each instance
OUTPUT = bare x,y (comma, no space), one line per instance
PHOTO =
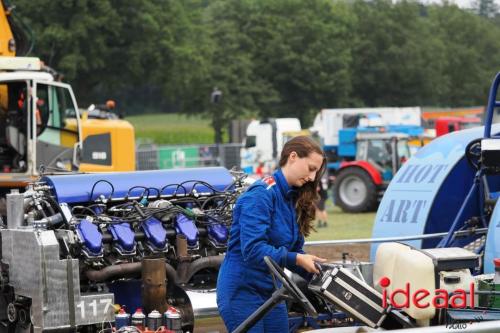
124,235
155,233
90,236
217,233
79,188
186,227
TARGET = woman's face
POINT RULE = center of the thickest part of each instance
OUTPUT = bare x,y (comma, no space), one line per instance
303,170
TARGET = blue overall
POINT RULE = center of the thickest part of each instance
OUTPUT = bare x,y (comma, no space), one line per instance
264,224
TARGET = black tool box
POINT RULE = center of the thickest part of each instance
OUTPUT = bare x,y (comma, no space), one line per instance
350,294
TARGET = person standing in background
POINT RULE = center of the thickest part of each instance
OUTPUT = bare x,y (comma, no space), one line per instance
321,213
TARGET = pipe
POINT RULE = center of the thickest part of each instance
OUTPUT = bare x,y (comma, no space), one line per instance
113,271
197,265
154,285
126,269
479,231
182,255
181,246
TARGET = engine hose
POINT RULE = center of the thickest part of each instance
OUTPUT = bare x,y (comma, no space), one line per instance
124,270
49,207
194,267
53,202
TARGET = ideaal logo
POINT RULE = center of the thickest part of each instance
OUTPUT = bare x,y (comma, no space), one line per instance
423,298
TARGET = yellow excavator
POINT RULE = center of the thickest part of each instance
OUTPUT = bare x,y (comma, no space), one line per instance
41,127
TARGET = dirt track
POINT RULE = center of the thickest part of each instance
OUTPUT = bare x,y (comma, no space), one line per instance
360,252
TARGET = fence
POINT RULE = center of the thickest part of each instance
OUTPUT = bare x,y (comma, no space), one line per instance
153,157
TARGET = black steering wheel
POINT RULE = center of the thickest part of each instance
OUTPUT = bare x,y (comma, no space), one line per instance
290,286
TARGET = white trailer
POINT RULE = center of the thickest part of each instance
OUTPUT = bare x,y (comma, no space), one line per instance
328,122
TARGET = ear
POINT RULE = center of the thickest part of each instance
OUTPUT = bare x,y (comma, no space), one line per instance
293,156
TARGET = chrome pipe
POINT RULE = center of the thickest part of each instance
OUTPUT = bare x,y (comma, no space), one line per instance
480,231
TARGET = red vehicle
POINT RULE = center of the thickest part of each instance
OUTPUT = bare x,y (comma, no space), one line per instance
445,125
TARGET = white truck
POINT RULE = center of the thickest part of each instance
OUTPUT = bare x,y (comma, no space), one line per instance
264,141
328,122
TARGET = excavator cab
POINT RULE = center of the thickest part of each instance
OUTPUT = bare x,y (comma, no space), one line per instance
39,123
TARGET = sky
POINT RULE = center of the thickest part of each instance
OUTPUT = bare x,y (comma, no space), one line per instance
460,3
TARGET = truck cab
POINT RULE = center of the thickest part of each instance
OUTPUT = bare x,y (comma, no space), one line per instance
445,125
34,112
41,128
264,141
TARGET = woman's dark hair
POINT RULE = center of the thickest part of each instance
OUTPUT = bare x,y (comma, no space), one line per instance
308,195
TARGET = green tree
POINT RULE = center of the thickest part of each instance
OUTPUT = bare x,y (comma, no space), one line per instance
471,44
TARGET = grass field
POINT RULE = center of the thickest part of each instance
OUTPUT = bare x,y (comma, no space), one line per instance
344,226
175,129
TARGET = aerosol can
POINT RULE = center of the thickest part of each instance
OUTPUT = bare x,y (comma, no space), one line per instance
154,320
122,319
173,320
139,319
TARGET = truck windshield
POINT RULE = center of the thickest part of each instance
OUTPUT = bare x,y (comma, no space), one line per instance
380,152
14,126
377,152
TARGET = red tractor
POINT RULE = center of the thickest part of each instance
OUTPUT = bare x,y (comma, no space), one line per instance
360,181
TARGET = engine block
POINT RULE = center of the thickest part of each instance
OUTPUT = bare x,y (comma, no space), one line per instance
74,246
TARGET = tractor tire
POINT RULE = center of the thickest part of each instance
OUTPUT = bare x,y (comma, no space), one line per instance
354,191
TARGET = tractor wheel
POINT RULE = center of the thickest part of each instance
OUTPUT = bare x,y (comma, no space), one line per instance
354,191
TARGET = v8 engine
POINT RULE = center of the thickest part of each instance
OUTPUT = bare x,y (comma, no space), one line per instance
74,247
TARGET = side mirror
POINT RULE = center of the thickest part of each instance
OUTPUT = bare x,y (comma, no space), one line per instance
77,155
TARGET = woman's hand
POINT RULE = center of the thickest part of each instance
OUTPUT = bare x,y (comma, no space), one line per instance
306,261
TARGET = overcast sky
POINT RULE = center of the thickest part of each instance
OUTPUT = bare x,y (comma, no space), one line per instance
460,3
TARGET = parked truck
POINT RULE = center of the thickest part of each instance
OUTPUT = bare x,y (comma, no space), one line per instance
41,128
264,141
445,125
365,148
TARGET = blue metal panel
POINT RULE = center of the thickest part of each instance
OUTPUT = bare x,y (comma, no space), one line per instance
492,249
347,150
347,142
428,191
333,165
407,129
78,188
347,135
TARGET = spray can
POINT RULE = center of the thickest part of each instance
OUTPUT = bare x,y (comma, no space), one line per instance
122,319
172,320
139,319
154,320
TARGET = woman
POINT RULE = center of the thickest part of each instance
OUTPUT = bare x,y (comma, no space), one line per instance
270,219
